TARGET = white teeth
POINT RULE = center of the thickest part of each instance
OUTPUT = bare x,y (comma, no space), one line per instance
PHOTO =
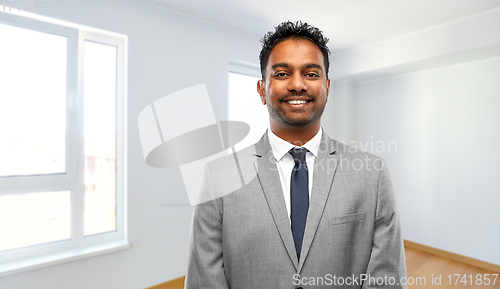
297,101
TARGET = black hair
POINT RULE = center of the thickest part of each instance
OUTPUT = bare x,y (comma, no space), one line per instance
287,30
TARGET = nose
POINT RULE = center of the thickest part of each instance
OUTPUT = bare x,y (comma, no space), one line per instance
297,83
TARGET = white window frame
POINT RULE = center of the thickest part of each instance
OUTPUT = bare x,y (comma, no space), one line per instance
248,69
79,246
241,67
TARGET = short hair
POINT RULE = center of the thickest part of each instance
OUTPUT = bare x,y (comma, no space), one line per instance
287,30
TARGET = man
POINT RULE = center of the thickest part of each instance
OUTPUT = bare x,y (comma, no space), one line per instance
312,217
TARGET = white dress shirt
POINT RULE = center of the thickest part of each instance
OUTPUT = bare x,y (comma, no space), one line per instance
285,162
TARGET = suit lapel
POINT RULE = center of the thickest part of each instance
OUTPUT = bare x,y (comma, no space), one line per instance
324,171
267,173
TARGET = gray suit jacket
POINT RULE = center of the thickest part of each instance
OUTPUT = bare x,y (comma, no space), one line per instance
244,240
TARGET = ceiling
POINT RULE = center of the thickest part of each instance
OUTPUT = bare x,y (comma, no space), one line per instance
348,23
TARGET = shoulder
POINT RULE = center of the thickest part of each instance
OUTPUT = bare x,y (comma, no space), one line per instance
227,174
229,161
234,170
352,158
353,151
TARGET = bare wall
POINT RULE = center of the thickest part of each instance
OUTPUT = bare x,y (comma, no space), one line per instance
445,170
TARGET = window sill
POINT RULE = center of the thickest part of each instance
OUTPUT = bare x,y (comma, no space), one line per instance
61,257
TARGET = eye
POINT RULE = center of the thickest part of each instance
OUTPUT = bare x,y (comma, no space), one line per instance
280,74
312,75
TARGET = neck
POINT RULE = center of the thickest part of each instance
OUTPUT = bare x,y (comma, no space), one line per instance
296,135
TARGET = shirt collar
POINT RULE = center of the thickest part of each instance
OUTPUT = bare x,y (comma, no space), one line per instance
281,147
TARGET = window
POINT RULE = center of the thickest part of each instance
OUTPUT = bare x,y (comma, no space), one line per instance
62,149
244,101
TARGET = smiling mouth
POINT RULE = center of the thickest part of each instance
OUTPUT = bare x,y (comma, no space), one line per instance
297,101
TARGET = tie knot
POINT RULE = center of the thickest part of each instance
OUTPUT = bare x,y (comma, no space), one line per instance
299,154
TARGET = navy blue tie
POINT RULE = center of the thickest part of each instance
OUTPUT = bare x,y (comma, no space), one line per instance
299,196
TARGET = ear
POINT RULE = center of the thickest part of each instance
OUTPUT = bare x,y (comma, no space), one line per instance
261,89
327,88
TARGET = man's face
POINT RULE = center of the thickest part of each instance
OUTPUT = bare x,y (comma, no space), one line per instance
295,89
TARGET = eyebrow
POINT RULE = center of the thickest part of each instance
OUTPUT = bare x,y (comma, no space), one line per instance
305,66
313,65
281,64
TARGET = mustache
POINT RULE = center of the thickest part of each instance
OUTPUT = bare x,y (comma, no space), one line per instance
297,93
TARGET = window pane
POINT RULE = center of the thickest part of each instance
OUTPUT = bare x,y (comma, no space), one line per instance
245,105
35,218
99,135
32,102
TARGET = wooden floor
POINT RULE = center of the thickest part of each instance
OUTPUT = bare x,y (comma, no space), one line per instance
421,267
429,266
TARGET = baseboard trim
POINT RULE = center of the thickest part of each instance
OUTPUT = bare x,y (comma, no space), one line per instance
172,284
453,256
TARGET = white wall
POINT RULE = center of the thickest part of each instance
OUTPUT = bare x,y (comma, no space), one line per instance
167,52
435,94
446,123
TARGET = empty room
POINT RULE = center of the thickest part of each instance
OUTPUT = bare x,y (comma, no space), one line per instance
238,144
